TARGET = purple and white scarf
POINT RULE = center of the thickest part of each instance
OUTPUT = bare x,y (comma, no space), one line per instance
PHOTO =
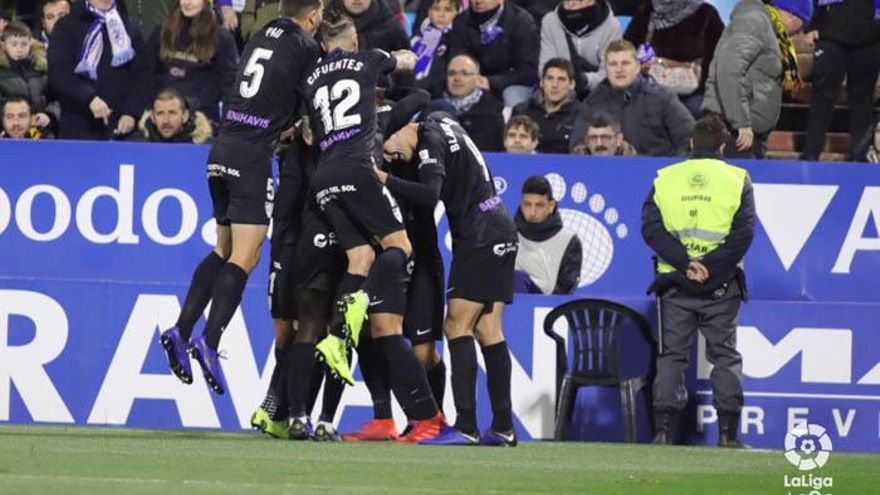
490,30
93,45
464,103
425,46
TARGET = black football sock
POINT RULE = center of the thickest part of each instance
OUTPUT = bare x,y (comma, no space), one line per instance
276,403
463,358
375,376
349,283
497,359
314,389
225,298
408,380
299,380
333,389
200,288
437,379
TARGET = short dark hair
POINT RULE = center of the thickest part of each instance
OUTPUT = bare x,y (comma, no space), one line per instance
16,28
17,99
710,132
538,184
335,23
50,2
298,8
604,119
171,94
560,63
526,123
455,3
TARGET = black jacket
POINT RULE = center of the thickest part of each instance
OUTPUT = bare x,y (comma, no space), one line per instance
538,8
653,119
555,128
195,131
124,88
721,263
511,59
484,123
378,27
849,23
205,84
570,266
29,79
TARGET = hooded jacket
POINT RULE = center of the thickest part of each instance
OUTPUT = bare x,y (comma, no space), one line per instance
196,131
549,254
29,79
123,88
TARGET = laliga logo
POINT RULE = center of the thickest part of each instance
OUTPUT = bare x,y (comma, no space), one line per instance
593,228
808,446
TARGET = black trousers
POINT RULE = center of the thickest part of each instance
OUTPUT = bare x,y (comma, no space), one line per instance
831,63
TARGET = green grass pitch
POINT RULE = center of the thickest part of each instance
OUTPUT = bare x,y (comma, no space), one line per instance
94,461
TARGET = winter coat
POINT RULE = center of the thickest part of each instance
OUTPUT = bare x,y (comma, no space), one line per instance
511,59
29,78
693,38
196,131
554,128
539,244
206,84
484,123
745,78
590,47
123,88
378,27
652,117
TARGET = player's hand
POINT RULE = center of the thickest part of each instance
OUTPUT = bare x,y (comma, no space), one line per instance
697,272
41,120
483,83
100,109
406,60
745,138
287,135
125,125
382,176
230,19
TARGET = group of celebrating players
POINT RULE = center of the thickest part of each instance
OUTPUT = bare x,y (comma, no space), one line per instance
355,257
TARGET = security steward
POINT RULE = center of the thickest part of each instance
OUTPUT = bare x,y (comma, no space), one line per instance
699,220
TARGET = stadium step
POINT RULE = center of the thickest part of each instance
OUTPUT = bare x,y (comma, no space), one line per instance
835,142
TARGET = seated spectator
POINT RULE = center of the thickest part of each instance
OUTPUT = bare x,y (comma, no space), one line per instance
255,15
170,121
18,120
554,107
653,119
149,14
521,135
580,31
478,111
549,257
747,74
429,41
872,155
604,138
503,39
98,69
193,54
51,11
376,25
23,73
676,40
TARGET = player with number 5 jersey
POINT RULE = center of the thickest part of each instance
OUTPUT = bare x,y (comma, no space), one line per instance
265,97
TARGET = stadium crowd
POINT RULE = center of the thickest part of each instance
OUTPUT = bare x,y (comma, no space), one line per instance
562,65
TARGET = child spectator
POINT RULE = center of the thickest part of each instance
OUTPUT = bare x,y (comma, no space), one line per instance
23,73
429,41
521,135
193,54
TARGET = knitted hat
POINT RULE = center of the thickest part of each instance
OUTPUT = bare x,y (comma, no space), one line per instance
799,8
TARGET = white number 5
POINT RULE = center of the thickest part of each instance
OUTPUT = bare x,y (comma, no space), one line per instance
254,68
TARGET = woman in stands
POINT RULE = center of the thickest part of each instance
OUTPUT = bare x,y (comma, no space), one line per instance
191,53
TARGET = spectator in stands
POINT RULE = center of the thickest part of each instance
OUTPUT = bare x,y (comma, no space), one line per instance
51,11
98,70
170,121
376,25
873,153
580,31
676,40
429,41
538,8
847,38
18,120
478,111
149,14
604,138
255,15
503,39
521,135
653,119
23,73
191,53
554,107
549,257
747,75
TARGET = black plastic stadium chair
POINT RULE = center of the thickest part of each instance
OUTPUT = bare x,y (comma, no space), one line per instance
595,328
